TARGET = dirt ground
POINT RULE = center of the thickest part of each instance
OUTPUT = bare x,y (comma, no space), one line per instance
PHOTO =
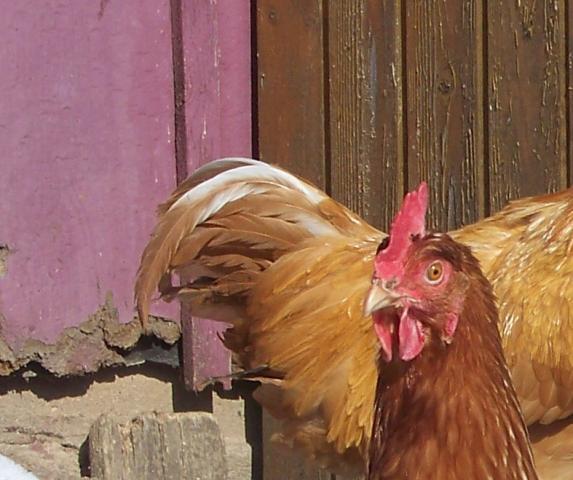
44,421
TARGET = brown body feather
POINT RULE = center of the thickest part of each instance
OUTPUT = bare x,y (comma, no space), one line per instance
289,267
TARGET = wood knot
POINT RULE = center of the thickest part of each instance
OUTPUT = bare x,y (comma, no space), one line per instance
273,16
445,87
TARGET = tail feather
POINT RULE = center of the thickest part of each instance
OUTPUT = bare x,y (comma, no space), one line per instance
203,174
235,206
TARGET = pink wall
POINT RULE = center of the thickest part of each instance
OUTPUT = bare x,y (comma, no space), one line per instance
87,142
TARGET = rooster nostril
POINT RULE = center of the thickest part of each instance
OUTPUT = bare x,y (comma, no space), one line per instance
383,245
390,284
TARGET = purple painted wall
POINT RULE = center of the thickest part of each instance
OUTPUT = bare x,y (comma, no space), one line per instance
87,135
217,62
86,122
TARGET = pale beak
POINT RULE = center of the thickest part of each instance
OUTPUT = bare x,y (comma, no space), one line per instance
378,298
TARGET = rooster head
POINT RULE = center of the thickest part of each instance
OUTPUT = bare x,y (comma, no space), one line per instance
418,287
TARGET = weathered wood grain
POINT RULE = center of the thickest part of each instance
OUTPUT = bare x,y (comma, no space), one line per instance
290,86
444,95
526,98
569,91
472,96
291,133
365,107
157,446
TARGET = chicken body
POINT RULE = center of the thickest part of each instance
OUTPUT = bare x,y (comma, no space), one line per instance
289,268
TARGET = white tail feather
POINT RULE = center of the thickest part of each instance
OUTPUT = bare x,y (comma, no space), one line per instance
253,171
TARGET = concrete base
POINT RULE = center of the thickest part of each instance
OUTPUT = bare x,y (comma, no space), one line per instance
44,421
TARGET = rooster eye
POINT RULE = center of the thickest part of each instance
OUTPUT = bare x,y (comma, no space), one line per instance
434,273
383,245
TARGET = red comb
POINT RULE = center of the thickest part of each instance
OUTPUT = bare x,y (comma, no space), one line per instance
409,221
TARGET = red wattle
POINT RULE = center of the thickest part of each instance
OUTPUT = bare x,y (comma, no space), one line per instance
411,337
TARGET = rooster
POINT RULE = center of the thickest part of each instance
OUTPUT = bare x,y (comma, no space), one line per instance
445,406
289,268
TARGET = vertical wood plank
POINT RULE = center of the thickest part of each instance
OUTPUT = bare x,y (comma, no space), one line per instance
391,90
569,92
365,106
444,107
291,86
291,123
526,89
216,40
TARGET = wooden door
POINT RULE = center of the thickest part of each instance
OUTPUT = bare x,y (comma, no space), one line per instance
366,98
